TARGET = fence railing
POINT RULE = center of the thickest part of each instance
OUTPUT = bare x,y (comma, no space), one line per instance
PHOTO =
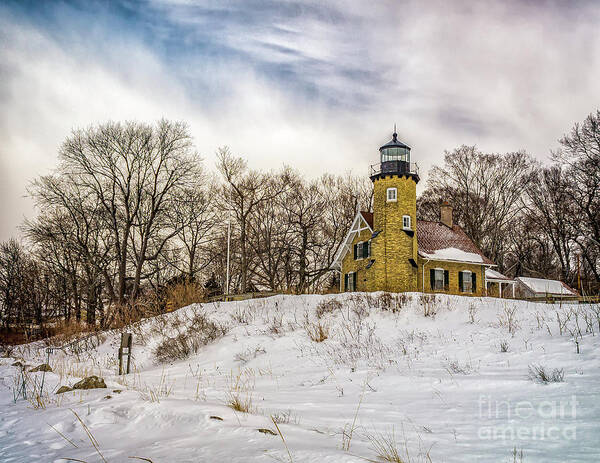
394,167
242,297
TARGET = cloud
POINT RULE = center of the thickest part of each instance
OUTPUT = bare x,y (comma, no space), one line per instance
316,85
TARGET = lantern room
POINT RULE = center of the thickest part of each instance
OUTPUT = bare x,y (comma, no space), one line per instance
395,160
395,150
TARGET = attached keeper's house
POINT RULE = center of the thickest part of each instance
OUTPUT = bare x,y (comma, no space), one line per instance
389,250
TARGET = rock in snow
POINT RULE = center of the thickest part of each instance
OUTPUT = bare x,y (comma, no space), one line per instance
91,382
42,367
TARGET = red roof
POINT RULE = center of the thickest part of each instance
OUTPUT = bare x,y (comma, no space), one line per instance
368,216
433,236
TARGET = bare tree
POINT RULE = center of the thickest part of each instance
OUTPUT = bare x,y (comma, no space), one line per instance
12,268
195,217
580,154
344,197
549,205
136,172
270,240
70,238
243,191
485,191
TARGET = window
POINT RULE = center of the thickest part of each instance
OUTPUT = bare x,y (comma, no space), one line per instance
362,250
350,281
406,222
395,154
392,195
439,279
466,281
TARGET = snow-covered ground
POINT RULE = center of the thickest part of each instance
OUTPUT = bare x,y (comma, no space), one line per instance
437,388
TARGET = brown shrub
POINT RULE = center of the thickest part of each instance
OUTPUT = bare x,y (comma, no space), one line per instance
183,294
328,306
317,331
200,331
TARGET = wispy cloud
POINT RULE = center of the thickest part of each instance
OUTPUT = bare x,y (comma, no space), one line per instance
313,84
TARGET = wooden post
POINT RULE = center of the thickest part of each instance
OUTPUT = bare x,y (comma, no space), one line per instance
126,342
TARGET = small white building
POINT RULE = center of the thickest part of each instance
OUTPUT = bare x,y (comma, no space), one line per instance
539,288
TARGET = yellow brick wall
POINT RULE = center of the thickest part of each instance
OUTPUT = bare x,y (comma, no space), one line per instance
364,277
453,269
393,247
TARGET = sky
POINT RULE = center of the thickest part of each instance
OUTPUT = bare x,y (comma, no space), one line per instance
316,85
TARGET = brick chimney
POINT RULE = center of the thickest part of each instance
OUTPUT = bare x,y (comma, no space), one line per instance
446,214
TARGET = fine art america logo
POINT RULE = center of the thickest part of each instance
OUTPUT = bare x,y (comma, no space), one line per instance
527,420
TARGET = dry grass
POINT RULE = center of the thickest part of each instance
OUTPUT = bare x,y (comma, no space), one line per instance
472,313
390,302
508,319
317,332
429,302
239,395
249,354
285,417
456,367
276,325
162,390
283,440
91,437
243,316
387,448
517,455
327,307
29,387
540,374
184,294
193,332
348,431
240,402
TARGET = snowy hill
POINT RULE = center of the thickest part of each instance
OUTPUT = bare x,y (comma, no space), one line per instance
444,379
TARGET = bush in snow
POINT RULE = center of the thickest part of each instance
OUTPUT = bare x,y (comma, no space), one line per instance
328,306
317,332
472,313
455,367
428,301
539,374
392,302
508,319
198,332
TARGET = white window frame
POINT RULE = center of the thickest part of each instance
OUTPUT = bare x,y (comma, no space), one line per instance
467,288
404,220
395,194
359,250
436,272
